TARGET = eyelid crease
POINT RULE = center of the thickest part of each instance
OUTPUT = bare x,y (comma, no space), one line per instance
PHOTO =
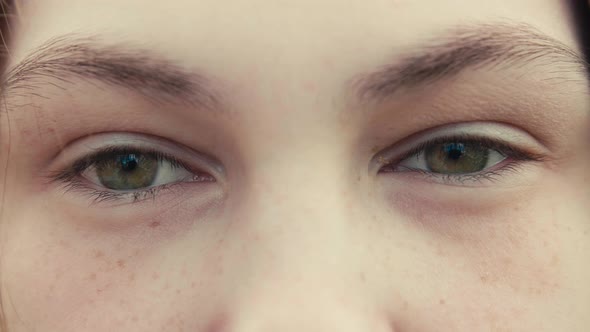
93,145
102,154
499,145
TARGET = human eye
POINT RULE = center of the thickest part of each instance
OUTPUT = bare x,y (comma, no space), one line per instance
128,171
466,159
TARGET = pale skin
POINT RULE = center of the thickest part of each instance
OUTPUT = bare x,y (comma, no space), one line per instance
300,225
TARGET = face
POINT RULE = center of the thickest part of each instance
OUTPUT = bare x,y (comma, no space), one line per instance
295,166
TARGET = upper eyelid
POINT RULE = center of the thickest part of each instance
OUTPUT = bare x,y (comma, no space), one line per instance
86,162
491,132
94,144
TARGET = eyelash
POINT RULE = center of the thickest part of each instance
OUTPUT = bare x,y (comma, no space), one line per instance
71,176
516,158
72,181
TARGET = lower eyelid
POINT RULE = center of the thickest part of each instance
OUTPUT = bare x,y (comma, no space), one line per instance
498,173
96,196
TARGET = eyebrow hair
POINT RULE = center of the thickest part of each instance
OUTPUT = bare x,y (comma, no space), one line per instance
87,57
159,79
471,46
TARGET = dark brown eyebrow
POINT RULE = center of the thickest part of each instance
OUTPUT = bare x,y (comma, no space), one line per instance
500,45
88,57
153,76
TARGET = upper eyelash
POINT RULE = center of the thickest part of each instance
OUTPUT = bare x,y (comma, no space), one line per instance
93,159
490,143
488,175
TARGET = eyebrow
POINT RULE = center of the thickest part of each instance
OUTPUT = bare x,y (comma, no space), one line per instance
159,79
503,44
88,57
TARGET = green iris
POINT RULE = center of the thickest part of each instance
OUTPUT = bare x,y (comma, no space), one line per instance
456,158
127,171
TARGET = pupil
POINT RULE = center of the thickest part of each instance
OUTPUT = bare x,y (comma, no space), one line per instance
455,151
128,162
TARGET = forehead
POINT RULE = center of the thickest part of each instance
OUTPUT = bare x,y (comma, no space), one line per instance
273,52
289,32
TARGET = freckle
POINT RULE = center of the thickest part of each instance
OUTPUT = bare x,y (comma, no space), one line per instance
155,276
554,260
178,291
121,263
92,276
155,224
363,277
442,302
193,284
132,277
134,319
484,278
98,291
98,254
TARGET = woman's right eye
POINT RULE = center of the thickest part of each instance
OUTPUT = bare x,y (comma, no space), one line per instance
134,171
122,171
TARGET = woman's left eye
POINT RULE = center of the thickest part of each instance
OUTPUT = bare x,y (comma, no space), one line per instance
459,159
454,158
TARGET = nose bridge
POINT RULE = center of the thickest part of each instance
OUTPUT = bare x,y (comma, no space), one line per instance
300,269
300,201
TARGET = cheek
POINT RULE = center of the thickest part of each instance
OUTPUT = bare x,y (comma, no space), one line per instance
500,262
59,276
52,277
501,243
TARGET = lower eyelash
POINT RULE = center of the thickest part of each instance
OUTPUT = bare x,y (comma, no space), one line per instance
493,175
100,196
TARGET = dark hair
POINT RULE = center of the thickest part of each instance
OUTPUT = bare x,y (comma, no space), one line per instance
580,10
7,11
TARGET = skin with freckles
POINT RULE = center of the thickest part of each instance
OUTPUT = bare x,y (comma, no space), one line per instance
293,197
